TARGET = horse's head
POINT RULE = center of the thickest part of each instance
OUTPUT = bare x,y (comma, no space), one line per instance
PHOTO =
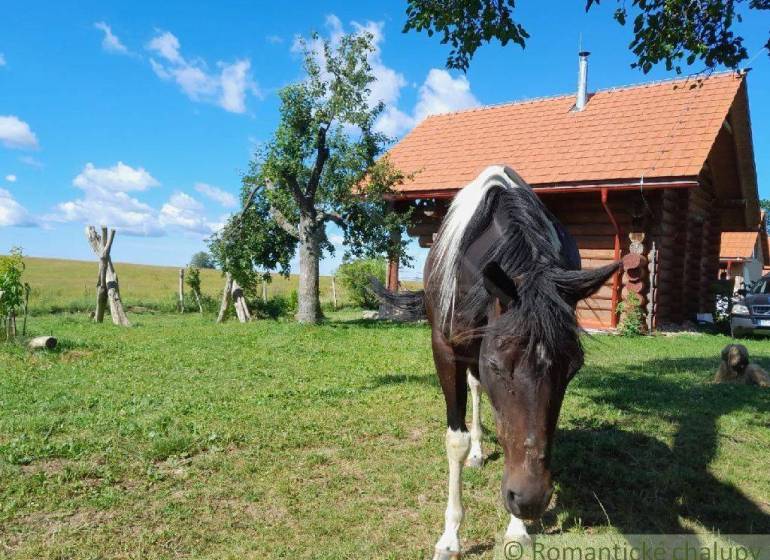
529,352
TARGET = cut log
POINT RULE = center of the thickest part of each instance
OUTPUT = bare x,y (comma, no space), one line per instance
226,296
107,287
42,343
239,301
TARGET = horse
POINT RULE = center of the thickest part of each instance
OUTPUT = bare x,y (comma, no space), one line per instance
501,285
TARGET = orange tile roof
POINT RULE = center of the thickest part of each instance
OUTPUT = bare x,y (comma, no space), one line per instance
737,245
663,129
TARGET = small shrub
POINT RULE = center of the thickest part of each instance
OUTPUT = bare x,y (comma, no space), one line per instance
355,277
631,316
274,308
12,290
293,301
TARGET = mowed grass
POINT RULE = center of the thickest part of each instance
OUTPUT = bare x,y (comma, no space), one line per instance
178,438
67,285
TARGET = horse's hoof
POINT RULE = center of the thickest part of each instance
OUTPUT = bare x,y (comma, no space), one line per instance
474,461
523,539
447,555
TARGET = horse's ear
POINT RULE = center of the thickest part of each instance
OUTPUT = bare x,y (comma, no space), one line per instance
499,285
575,285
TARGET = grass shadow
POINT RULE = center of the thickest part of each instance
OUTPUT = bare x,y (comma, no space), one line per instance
639,482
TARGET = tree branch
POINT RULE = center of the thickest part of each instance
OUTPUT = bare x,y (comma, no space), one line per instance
278,216
335,217
322,154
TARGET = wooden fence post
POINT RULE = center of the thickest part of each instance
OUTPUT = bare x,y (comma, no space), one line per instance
181,290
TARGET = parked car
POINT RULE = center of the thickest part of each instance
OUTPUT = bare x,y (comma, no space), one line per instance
750,313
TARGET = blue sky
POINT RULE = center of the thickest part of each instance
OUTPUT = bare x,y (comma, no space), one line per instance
144,114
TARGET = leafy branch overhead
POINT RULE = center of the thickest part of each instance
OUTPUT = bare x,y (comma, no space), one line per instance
665,31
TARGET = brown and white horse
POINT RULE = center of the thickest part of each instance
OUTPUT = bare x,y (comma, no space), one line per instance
501,285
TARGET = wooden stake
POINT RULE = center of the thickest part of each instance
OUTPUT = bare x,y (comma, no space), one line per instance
334,292
181,290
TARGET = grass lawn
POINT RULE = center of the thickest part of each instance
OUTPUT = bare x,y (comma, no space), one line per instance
180,438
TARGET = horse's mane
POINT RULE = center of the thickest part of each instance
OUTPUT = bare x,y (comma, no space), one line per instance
528,251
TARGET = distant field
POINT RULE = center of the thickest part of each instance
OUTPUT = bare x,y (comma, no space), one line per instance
65,285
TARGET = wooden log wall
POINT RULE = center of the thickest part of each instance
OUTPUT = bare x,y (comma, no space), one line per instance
670,235
586,220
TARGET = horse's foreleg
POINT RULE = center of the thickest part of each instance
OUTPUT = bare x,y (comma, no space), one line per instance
458,444
451,373
476,457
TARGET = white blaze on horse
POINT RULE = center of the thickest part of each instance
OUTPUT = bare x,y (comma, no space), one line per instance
501,285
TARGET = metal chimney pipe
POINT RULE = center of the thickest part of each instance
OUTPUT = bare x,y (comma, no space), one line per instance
582,89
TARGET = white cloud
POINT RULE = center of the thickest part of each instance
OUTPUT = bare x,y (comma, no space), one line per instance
274,39
114,209
12,213
440,93
2,59
106,200
216,194
228,87
110,43
32,162
15,133
120,177
186,213
10,178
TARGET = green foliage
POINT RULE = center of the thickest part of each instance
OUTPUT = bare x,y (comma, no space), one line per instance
202,259
192,278
631,316
668,31
465,25
355,276
12,289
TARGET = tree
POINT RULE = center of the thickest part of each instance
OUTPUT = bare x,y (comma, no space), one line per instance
667,31
764,205
319,166
202,259
12,290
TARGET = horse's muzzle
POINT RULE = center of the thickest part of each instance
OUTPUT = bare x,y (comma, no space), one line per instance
528,503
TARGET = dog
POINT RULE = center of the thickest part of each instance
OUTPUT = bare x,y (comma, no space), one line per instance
736,368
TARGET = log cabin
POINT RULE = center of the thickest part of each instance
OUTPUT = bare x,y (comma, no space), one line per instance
651,174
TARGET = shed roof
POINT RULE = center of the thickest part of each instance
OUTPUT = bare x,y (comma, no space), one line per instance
738,245
656,130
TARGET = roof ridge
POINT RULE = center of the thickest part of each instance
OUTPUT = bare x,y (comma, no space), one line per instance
637,85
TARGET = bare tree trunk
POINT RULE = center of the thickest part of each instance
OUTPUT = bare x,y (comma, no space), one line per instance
181,290
309,310
107,289
226,295
239,301
117,312
334,292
